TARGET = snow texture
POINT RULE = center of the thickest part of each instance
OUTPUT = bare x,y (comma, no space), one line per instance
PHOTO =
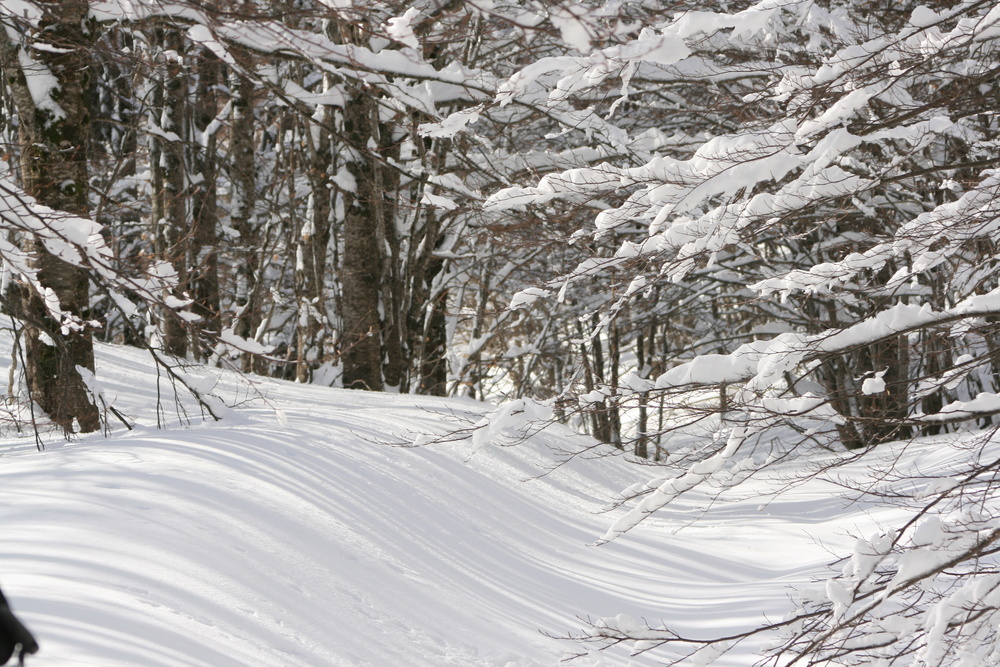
286,535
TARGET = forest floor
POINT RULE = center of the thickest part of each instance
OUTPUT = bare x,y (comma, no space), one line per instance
290,533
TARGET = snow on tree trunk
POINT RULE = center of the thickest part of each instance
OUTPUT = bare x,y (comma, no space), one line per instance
171,206
54,158
312,243
243,177
203,240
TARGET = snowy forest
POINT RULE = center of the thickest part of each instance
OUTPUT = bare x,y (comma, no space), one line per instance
716,236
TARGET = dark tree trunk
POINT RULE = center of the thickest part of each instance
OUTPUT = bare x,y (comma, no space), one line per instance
434,353
614,363
397,348
243,176
361,268
54,158
203,242
642,428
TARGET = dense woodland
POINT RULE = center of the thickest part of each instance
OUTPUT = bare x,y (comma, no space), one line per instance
714,234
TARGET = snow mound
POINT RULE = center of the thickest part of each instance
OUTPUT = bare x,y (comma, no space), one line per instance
287,534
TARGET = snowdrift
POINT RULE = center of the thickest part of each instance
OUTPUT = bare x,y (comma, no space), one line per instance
290,534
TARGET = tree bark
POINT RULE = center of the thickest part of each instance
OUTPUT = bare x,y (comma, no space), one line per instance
54,158
361,268
243,177
311,250
170,211
203,243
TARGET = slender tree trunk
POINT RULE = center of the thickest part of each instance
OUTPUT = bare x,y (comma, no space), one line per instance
642,428
397,344
203,245
592,374
361,268
614,363
311,249
243,176
170,217
434,353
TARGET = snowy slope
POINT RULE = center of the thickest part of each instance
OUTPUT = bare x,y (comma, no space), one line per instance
287,535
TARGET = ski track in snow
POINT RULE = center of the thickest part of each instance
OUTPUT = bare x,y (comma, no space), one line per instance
252,542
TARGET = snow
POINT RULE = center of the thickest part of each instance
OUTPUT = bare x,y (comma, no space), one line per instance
231,339
572,27
290,533
923,17
401,30
528,296
874,385
287,534
201,34
438,201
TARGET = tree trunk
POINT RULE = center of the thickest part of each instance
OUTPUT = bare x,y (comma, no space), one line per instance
311,248
642,428
54,171
434,353
203,243
170,218
362,335
396,344
243,176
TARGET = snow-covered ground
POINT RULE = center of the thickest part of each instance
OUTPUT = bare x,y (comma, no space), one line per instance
289,534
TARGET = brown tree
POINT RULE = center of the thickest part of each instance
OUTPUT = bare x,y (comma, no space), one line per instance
54,138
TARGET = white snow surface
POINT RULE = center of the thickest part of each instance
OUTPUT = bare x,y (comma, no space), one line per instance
288,534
